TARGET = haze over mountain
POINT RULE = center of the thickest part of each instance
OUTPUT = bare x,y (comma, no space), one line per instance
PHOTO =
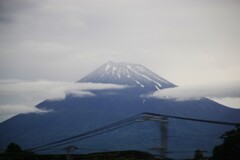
74,115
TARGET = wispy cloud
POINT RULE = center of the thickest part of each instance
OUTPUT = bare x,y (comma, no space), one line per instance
218,92
9,110
16,109
21,96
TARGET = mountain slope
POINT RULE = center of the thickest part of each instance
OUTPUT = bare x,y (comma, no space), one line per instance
74,115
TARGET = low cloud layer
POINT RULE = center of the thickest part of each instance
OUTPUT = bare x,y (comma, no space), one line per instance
221,92
19,96
15,109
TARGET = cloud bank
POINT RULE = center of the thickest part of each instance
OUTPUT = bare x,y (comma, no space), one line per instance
225,93
21,96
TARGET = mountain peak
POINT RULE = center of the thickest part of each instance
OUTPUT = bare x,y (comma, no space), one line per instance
127,74
120,64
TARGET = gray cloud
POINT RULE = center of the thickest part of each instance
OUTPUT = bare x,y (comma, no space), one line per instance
7,110
184,41
21,96
228,101
220,92
217,90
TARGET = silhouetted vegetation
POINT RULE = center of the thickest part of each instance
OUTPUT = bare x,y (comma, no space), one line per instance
13,148
198,155
14,152
230,149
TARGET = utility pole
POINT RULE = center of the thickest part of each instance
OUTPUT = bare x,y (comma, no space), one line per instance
70,149
163,125
164,137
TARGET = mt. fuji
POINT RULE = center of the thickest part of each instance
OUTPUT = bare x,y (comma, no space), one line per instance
75,115
130,74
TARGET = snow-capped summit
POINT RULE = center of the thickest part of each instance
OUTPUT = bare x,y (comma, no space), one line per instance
127,74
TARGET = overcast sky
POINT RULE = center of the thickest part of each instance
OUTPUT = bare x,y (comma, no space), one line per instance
188,42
